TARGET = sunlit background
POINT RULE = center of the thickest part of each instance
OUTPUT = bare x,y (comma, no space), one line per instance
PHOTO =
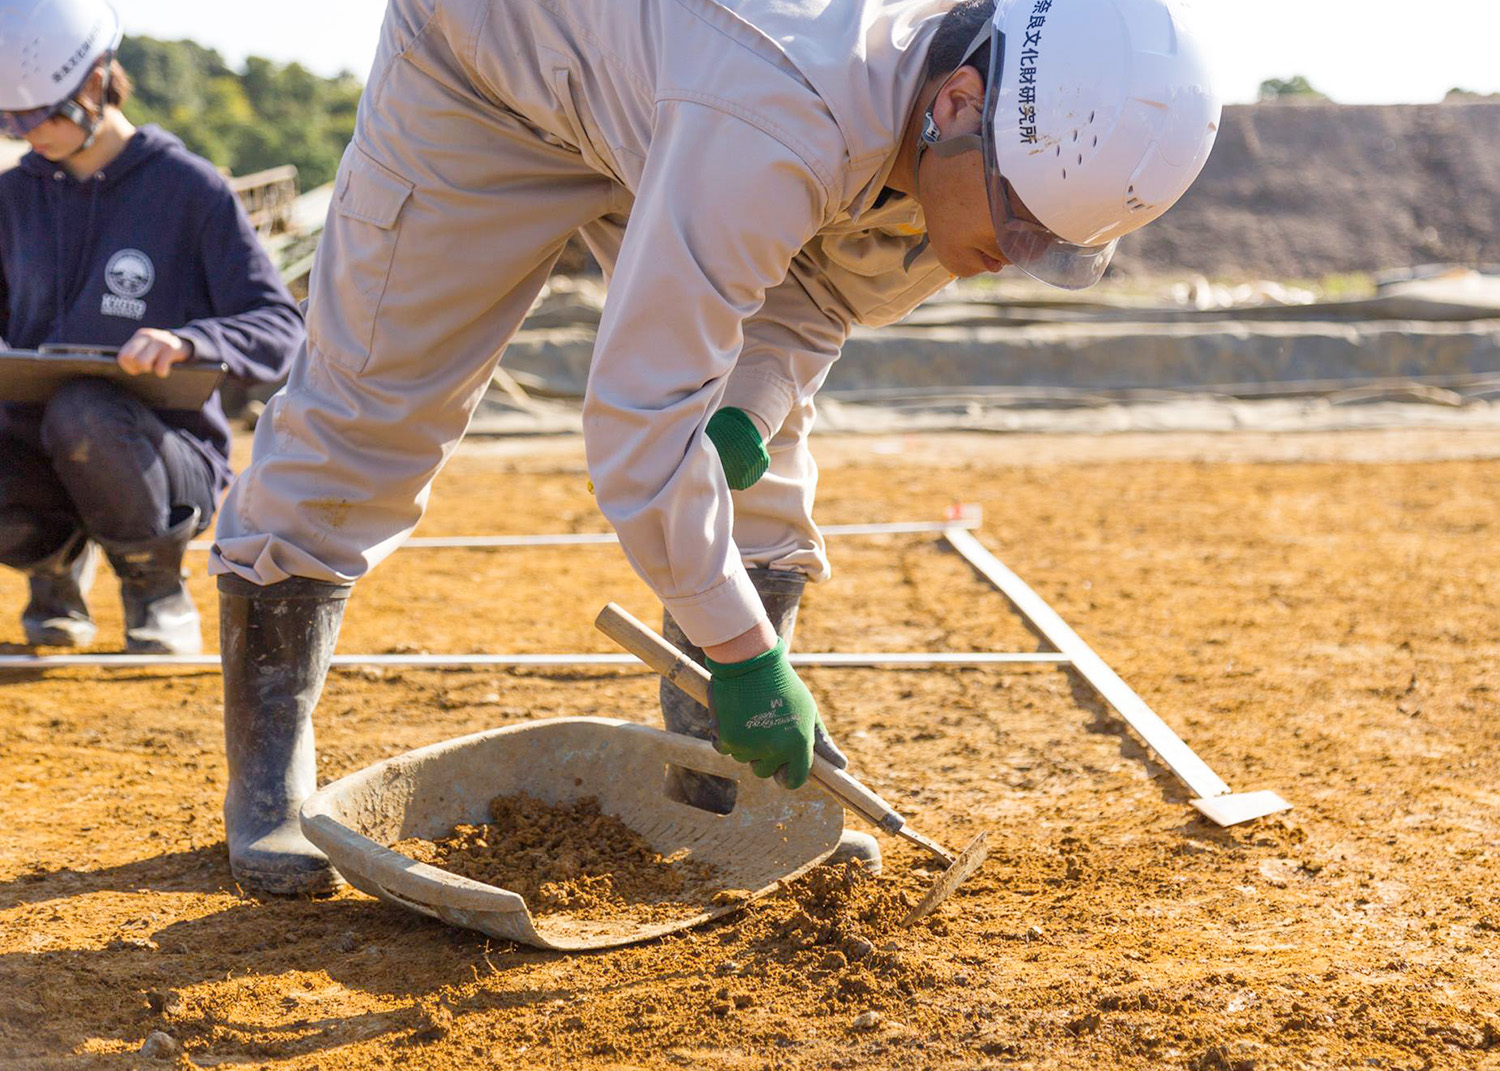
1355,51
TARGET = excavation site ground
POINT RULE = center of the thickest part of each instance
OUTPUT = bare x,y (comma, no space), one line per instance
1314,614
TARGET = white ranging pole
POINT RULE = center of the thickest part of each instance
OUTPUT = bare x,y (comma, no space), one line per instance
1215,800
970,519
835,659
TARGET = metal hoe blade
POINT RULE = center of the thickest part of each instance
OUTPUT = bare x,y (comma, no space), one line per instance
931,845
692,678
968,861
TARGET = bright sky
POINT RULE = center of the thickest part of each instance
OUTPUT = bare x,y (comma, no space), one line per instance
1356,51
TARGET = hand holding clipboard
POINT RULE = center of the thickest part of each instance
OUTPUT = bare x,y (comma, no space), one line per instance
31,377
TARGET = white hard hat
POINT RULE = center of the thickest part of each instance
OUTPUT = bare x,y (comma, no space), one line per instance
1098,116
1101,115
48,48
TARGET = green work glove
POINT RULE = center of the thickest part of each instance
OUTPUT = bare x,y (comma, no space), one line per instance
765,715
741,452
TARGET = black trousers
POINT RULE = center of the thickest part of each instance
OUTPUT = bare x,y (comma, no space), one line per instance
94,458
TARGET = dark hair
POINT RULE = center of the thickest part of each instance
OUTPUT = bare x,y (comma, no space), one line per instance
120,85
959,27
120,88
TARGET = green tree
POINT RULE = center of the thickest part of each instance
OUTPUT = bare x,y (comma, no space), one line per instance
1296,87
267,115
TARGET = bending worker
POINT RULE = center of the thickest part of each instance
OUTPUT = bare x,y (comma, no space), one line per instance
755,176
113,236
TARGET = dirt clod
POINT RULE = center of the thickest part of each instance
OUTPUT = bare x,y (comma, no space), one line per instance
570,858
857,948
868,1020
159,1045
163,1002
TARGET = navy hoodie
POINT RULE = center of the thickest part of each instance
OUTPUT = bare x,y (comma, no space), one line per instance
155,239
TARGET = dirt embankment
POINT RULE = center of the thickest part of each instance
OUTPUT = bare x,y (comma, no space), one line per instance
1303,190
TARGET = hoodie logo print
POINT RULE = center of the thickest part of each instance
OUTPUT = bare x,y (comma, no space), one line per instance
129,276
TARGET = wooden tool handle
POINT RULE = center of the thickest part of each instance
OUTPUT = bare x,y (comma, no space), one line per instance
637,638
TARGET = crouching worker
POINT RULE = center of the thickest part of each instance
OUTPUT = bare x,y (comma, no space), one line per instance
113,236
755,176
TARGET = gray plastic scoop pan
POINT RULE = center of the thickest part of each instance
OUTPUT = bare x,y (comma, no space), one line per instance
771,835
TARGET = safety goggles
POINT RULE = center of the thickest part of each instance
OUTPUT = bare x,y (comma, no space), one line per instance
19,124
1024,242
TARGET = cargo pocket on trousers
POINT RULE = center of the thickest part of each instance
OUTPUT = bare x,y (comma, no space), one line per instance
367,202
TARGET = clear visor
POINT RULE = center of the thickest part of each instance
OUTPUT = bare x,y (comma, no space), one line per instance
19,124
1024,242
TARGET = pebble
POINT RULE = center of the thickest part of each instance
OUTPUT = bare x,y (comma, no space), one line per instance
131,944
1034,933
164,1001
729,966
346,942
869,1020
159,1045
857,948
834,961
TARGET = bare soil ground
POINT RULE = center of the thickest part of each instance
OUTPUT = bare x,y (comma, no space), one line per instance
1325,628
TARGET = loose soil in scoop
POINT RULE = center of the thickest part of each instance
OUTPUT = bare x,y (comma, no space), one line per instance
571,859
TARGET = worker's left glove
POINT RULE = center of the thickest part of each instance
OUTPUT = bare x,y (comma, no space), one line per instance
741,452
764,715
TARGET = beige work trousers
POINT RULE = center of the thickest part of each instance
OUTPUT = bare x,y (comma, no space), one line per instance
449,213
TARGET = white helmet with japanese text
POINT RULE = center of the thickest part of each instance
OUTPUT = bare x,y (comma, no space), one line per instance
1099,114
48,49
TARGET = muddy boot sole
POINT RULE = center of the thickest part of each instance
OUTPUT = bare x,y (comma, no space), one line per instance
283,863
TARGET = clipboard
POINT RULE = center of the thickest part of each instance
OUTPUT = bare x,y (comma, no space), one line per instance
32,377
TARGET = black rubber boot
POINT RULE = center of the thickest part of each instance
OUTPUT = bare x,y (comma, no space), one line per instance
160,617
276,644
57,615
781,594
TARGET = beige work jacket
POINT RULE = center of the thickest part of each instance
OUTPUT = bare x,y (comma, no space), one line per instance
756,137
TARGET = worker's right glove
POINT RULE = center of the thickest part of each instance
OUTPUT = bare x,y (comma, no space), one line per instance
765,715
741,452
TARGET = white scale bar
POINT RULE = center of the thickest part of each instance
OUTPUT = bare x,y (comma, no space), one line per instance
440,661
593,539
1171,749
